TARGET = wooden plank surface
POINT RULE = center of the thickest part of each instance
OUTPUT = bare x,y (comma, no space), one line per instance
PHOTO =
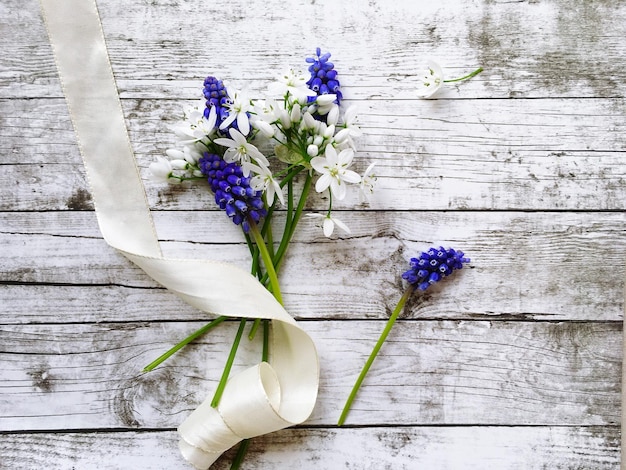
457,448
430,372
471,155
63,252
513,364
529,49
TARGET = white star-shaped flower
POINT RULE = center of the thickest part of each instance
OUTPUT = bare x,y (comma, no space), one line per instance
334,172
238,109
293,84
430,80
195,127
240,150
366,185
263,180
350,128
329,224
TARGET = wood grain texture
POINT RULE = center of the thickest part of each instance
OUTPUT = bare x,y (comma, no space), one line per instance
429,372
355,277
471,155
529,49
512,364
450,448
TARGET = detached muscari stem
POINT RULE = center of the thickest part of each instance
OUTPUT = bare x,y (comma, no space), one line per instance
469,75
374,353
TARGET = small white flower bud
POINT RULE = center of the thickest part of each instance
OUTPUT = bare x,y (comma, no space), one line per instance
296,115
342,135
192,155
330,131
284,118
333,115
309,121
318,140
325,100
179,164
312,150
264,127
175,154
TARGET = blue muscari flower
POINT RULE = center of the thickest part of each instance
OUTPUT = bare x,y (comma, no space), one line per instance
216,95
232,190
323,75
433,265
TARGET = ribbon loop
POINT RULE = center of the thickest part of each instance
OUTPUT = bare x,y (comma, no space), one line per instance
251,402
249,408
263,398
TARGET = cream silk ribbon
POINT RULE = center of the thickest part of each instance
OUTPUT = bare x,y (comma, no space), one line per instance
263,398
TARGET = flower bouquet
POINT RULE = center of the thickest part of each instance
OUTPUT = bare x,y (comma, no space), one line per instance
249,153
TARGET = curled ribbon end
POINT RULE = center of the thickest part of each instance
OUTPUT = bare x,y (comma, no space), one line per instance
197,457
249,407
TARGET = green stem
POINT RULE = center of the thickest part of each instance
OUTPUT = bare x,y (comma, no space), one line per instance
229,364
291,174
289,216
183,343
268,217
301,202
469,75
330,203
241,453
269,235
266,341
372,356
255,327
291,228
267,260
254,254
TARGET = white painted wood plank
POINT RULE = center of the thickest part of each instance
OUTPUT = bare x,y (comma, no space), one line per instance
450,448
559,259
534,49
484,154
87,376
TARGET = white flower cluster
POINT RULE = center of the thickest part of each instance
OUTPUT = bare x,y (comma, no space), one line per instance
315,135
